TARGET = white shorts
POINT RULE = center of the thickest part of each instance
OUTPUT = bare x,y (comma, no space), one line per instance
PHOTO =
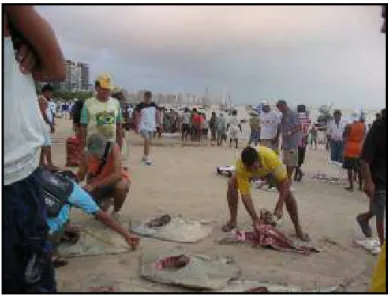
234,133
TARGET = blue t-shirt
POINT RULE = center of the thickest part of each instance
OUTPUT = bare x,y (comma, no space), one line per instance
78,198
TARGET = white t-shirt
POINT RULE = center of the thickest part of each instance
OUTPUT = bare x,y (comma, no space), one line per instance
23,122
147,116
186,118
269,122
336,131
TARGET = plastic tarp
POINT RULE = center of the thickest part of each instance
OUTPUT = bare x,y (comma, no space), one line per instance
95,239
177,229
189,271
246,286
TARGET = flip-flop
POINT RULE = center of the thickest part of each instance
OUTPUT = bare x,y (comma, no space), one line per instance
305,238
228,228
57,263
365,228
71,236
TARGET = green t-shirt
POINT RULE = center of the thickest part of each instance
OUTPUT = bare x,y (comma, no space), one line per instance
102,117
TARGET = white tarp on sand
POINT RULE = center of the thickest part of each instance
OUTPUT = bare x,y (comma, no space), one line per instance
196,272
178,229
96,239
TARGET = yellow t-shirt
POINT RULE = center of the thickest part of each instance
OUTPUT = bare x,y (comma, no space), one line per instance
270,164
102,117
378,284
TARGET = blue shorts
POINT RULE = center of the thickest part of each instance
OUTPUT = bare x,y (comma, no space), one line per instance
26,258
254,137
336,150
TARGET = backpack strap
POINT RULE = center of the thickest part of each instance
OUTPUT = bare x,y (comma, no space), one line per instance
104,159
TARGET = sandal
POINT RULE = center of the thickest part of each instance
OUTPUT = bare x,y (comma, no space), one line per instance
59,262
228,227
71,236
304,237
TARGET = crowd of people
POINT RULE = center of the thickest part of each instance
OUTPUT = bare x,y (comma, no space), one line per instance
38,196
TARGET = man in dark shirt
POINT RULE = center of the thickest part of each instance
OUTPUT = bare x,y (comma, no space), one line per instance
374,176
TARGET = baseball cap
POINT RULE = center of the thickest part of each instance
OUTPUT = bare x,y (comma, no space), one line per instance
105,81
265,103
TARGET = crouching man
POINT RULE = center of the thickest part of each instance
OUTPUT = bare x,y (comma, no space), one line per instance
105,176
61,194
261,163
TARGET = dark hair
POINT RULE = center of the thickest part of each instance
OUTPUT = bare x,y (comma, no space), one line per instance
337,111
96,84
301,108
148,94
249,156
47,87
281,102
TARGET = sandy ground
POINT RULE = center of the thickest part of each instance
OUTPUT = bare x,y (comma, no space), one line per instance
183,181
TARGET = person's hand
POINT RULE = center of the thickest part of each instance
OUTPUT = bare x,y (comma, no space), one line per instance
89,188
26,58
369,189
133,241
278,213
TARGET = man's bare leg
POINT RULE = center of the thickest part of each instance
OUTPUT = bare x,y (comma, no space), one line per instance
41,158
290,171
232,198
292,209
146,147
380,230
119,194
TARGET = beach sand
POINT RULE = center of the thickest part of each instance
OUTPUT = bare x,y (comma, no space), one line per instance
183,181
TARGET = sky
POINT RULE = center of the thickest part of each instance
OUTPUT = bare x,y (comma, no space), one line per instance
304,54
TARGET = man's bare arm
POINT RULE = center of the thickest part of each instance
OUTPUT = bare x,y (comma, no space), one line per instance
40,36
284,192
248,203
119,135
116,176
83,133
43,109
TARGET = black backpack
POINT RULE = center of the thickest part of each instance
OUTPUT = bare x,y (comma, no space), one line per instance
57,188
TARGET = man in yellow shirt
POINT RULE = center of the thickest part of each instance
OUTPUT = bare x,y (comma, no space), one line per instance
261,162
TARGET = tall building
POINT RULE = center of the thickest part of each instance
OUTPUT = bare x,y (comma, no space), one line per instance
84,67
77,76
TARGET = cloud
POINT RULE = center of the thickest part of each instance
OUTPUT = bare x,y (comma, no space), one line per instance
303,53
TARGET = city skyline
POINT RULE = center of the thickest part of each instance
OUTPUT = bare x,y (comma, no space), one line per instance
310,54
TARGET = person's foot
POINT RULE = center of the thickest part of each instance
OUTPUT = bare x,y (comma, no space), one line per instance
228,227
59,262
116,216
350,189
148,161
364,225
303,237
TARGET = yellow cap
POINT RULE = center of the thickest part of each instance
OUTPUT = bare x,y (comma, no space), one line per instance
105,81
